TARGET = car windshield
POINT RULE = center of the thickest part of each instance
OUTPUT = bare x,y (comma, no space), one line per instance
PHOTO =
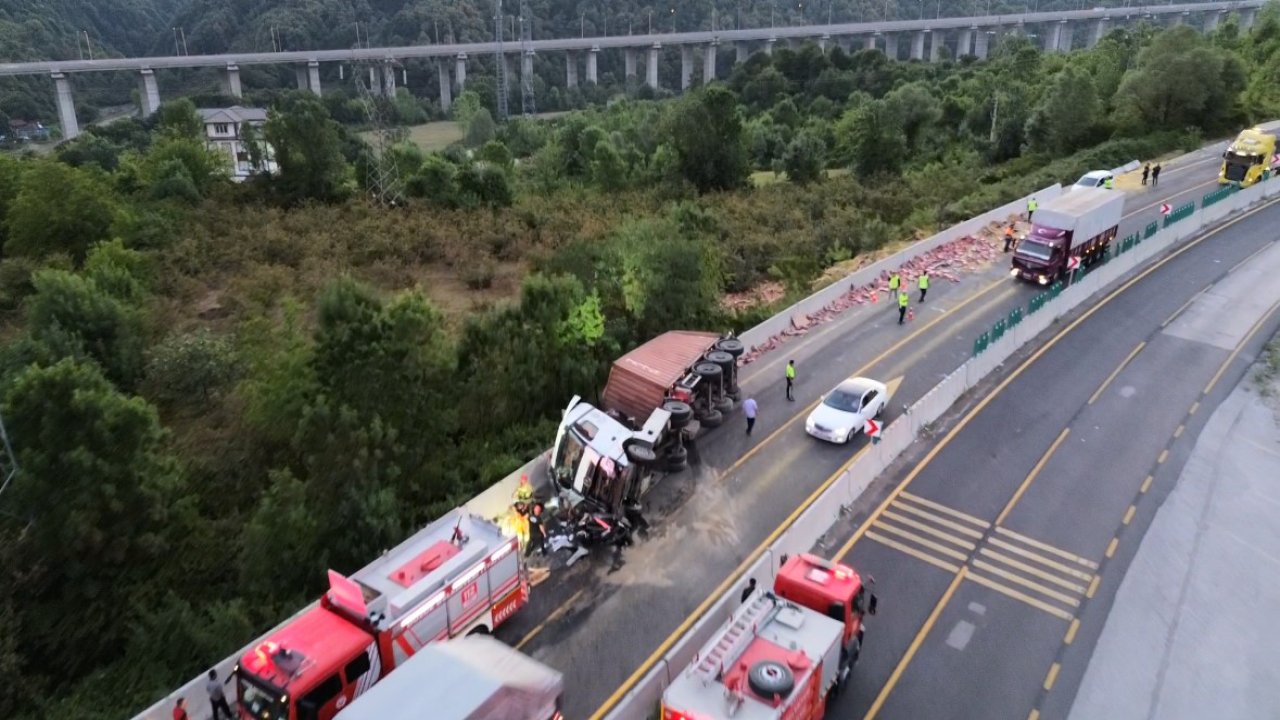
260,701
566,461
1087,181
843,401
1037,250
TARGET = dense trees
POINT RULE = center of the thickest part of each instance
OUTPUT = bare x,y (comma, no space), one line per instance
218,390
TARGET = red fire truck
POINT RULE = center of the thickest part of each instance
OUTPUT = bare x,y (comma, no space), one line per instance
783,653
457,576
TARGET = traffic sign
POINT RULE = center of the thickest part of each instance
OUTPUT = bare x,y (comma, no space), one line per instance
1165,209
1073,262
872,430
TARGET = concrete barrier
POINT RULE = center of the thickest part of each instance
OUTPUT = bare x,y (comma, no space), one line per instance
640,702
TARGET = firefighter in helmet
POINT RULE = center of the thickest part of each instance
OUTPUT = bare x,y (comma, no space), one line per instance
523,503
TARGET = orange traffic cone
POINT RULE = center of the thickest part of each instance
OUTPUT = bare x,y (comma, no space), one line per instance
875,298
911,314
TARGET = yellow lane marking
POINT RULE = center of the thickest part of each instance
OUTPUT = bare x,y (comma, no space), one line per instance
1034,715
915,644
1017,595
1119,368
1194,407
1049,548
962,529
944,509
1181,429
1111,546
1052,677
1184,306
1071,632
1008,508
1093,586
936,547
1240,346
1146,484
923,527
901,547
1164,455
1029,584
1128,514
1040,559
555,615
1033,570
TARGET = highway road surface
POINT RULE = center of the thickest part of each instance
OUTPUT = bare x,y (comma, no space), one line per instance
602,627
999,547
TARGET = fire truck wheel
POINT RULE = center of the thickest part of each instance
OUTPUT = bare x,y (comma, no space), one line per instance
768,678
640,454
708,370
681,413
677,458
713,418
733,346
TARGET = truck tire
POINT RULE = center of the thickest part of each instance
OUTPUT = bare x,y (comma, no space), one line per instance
733,346
721,358
768,678
640,453
713,418
681,413
725,405
708,371
677,458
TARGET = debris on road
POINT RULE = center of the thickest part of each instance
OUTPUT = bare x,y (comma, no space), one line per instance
945,262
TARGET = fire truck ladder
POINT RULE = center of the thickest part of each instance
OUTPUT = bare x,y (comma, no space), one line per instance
737,637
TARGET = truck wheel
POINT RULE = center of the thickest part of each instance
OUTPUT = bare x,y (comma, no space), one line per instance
713,418
725,405
681,413
768,678
708,371
721,358
733,346
640,454
677,458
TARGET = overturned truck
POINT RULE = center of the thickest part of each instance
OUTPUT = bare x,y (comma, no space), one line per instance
659,396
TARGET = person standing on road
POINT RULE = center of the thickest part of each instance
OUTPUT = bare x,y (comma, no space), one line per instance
1032,205
180,710
1008,237
1155,176
1146,173
923,284
537,535
749,411
746,592
903,299
791,378
895,282
217,698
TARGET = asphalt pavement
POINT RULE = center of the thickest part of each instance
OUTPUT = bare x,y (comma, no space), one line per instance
1192,632
599,625
998,548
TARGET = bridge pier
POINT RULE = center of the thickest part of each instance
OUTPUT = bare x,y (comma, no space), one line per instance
741,52
1247,16
300,76
917,45
374,86
66,106
629,64
709,62
592,58
148,92
964,43
313,75
570,69
768,46
869,42
1066,36
936,40
446,85
460,71
1097,32
1211,20
526,70
651,67
231,81
388,79
686,66
891,46
980,44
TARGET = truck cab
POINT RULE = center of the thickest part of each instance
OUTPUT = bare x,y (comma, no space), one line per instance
598,459
830,588
1248,158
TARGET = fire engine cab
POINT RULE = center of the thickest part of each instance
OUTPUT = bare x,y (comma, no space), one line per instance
781,655
458,576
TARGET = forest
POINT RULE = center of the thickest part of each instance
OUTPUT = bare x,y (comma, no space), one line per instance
214,391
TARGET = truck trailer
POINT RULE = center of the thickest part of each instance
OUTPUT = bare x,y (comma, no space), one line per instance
457,576
783,654
468,678
1248,158
658,396
1079,224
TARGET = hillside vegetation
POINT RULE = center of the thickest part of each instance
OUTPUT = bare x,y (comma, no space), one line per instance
217,391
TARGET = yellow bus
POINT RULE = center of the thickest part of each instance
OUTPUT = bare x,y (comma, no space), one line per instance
1247,158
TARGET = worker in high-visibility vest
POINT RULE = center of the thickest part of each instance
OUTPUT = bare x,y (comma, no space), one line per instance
1008,237
523,500
903,299
895,282
1031,208
923,284
791,378
1109,183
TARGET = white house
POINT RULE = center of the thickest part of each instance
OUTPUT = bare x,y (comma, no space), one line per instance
224,133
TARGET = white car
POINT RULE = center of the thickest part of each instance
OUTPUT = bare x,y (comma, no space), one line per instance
1094,178
844,411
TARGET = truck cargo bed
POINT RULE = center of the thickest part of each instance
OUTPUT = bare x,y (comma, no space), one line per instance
640,379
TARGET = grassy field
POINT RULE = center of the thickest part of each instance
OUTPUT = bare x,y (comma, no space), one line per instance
760,178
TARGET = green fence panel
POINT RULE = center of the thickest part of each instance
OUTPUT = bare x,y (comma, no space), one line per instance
1179,213
1037,302
1055,289
1151,229
980,343
997,330
1015,316
1219,195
